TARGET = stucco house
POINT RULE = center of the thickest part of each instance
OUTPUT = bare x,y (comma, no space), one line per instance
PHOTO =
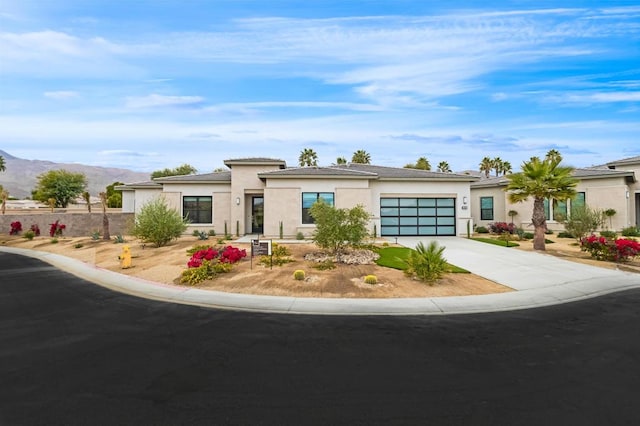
610,186
258,195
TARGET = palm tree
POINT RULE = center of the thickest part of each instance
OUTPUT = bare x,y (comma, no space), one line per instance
443,167
553,154
308,157
506,168
4,196
87,198
486,165
421,164
341,160
541,179
3,167
497,165
361,157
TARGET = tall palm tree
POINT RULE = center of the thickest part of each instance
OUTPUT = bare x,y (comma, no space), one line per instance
541,179
506,168
421,164
341,160
443,166
3,167
486,165
4,196
308,157
497,165
553,154
361,157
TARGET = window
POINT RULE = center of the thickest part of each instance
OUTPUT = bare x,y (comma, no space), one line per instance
579,200
486,208
197,209
559,210
309,198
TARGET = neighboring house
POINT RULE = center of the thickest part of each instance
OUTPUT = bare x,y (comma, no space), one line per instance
257,195
610,186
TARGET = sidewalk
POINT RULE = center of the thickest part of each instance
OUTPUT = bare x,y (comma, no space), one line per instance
540,280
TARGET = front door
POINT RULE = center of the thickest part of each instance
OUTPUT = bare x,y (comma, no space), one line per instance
257,215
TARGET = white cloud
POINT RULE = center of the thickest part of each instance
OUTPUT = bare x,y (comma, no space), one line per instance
158,101
61,95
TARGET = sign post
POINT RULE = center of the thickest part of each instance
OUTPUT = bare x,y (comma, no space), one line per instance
261,248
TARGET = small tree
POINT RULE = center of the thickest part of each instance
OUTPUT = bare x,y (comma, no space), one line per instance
87,198
158,224
307,158
583,221
421,164
61,185
512,214
361,157
609,213
4,196
114,198
427,263
338,228
104,199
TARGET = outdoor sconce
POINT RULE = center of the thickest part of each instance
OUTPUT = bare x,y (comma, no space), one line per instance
237,201
464,200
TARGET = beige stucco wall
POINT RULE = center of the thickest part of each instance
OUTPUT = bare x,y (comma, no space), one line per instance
245,181
499,205
283,205
142,197
221,212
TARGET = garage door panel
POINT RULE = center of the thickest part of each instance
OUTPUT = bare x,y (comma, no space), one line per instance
417,216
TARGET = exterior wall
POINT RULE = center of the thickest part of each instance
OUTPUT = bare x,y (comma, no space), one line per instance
220,194
221,212
244,181
77,224
142,197
128,201
499,205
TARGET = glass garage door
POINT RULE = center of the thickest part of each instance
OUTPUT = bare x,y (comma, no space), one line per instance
418,216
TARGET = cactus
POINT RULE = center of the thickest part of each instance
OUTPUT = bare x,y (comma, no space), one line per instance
298,275
371,279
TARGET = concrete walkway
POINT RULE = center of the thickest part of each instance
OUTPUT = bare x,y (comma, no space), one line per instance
540,280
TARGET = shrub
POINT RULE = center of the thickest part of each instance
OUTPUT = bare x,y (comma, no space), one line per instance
206,262
56,228
631,231
202,235
565,234
195,233
583,221
29,235
427,263
298,275
299,236
608,234
481,230
78,245
119,239
325,265
548,231
603,248
212,232
528,235
158,224
501,228
95,235
54,240
16,228
36,229
371,279
338,228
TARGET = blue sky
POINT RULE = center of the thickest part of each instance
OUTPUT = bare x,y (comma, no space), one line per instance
150,84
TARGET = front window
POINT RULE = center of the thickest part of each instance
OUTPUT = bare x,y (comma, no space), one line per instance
197,209
579,200
486,208
309,198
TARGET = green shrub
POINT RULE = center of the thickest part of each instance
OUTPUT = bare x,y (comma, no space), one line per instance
158,224
427,263
278,250
194,249
482,230
212,232
95,235
528,235
338,228
195,233
371,279
608,234
583,221
118,239
54,240
280,255
325,265
203,235
298,275
565,234
29,235
78,245
299,236
631,231
549,232
193,276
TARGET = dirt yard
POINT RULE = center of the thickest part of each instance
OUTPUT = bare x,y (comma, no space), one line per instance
165,265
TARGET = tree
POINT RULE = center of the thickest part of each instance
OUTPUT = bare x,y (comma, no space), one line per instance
185,169
443,167
582,221
4,196
3,166
338,228
506,168
220,169
486,165
87,198
421,164
157,223
60,185
114,198
361,157
341,160
553,154
497,165
308,158
541,179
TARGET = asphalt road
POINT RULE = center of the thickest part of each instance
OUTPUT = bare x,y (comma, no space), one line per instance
73,353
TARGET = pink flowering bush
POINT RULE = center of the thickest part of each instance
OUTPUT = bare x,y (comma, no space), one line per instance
205,263
16,228
601,248
56,228
502,227
35,229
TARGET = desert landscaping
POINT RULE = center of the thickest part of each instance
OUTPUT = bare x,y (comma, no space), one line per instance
165,264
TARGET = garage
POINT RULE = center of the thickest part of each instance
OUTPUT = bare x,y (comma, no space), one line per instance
412,216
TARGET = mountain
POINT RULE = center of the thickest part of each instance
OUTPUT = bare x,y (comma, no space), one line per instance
20,176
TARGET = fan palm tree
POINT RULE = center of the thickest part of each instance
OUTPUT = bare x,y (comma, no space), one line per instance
486,165
3,166
4,196
497,165
361,157
506,168
554,154
541,179
443,167
421,164
341,160
308,157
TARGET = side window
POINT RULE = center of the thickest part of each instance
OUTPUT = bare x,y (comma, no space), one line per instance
309,198
486,208
197,209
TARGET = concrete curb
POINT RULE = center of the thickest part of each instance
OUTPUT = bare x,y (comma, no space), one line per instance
523,299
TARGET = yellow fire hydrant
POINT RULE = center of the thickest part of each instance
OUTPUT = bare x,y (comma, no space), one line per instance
125,257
